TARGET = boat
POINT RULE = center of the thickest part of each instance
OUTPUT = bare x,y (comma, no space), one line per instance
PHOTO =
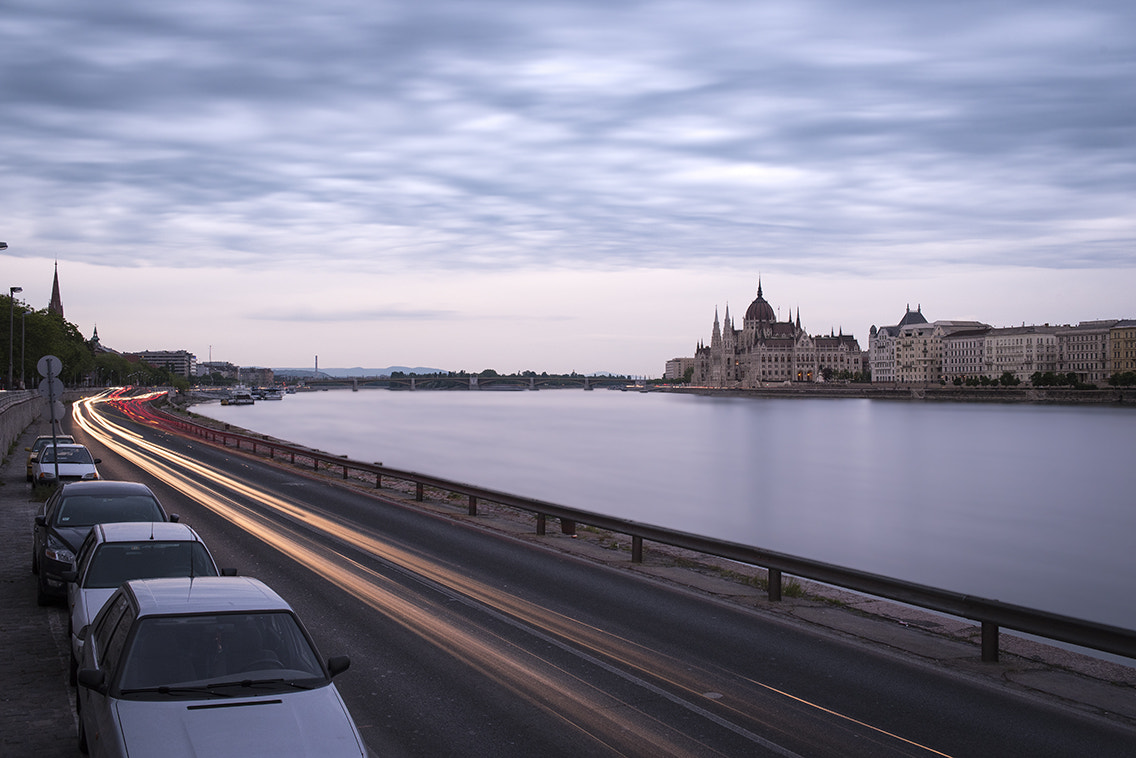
241,396
273,393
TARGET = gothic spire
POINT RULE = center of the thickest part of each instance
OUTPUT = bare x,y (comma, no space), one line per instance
56,304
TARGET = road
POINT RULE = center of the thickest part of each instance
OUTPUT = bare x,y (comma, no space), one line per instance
469,642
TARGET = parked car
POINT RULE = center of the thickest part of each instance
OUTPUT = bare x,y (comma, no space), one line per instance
70,513
70,462
118,552
217,666
39,444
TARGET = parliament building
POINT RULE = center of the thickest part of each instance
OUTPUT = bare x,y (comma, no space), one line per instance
766,351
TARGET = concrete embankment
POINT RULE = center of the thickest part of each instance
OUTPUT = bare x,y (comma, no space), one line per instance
1119,396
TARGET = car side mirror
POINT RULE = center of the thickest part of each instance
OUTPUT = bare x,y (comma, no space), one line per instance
228,572
174,518
338,664
92,679
98,460
41,520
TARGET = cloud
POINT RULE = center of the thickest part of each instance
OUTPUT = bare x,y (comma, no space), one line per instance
384,139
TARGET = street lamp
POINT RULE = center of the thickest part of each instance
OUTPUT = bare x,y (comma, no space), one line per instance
23,346
11,328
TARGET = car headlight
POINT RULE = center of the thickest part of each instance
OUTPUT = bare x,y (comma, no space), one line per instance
56,550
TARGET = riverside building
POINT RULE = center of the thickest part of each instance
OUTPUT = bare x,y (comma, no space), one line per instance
766,350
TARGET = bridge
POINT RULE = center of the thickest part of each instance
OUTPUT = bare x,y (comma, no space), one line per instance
477,382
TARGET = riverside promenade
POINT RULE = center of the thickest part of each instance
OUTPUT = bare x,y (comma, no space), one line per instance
36,703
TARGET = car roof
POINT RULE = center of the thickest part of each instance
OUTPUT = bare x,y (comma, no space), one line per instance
205,594
70,444
105,487
138,531
56,437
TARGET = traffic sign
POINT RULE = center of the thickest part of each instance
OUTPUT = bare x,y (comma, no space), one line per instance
49,365
51,387
58,411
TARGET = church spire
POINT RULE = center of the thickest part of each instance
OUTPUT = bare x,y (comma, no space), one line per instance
56,304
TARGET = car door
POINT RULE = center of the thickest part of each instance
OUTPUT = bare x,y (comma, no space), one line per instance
102,651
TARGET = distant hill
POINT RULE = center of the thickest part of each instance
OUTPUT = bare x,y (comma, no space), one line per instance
342,373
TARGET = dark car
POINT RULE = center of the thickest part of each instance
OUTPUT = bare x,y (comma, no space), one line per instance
68,516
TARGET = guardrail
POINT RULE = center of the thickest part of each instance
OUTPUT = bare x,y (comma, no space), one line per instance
992,615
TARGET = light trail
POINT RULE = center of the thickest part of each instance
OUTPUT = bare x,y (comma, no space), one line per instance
574,701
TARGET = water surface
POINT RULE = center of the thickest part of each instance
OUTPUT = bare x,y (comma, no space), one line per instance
1033,505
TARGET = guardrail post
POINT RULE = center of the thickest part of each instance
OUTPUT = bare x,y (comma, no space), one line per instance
345,470
378,481
472,505
568,526
636,549
774,583
989,642
418,492
540,526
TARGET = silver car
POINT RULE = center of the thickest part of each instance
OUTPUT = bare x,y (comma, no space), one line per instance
216,666
115,553
64,463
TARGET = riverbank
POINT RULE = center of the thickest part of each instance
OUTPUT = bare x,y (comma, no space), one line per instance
1119,396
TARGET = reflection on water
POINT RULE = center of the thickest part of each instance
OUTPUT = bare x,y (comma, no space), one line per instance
1033,505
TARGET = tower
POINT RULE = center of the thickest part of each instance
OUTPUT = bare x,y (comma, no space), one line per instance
56,304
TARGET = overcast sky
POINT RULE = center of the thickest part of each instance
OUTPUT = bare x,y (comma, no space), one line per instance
560,186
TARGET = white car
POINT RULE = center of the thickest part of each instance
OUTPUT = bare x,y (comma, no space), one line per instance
115,553
216,666
63,463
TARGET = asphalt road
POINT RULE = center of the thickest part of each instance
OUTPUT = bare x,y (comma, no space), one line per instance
465,641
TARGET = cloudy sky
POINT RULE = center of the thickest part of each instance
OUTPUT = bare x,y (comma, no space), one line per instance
560,186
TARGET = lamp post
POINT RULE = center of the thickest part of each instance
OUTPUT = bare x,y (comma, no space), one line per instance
23,345
11,328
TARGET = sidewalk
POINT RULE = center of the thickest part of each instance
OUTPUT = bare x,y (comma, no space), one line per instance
36,713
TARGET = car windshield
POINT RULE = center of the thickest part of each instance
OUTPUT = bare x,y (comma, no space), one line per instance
220,649
41,444
88,510
66,455
116,562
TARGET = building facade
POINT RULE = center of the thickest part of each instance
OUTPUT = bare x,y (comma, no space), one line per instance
180,362
766,350
1021,351
1122,346
1084,350
676,368
964,354
881,345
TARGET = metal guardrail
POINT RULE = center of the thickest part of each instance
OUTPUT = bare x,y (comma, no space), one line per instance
992,615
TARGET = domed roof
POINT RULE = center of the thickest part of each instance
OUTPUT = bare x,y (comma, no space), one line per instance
759,310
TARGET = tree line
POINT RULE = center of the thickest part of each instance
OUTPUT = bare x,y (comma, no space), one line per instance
36,333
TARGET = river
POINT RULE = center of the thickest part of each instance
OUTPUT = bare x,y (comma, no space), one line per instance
1028,504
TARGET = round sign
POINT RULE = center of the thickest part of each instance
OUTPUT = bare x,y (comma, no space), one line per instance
58,411
51,387
49,365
